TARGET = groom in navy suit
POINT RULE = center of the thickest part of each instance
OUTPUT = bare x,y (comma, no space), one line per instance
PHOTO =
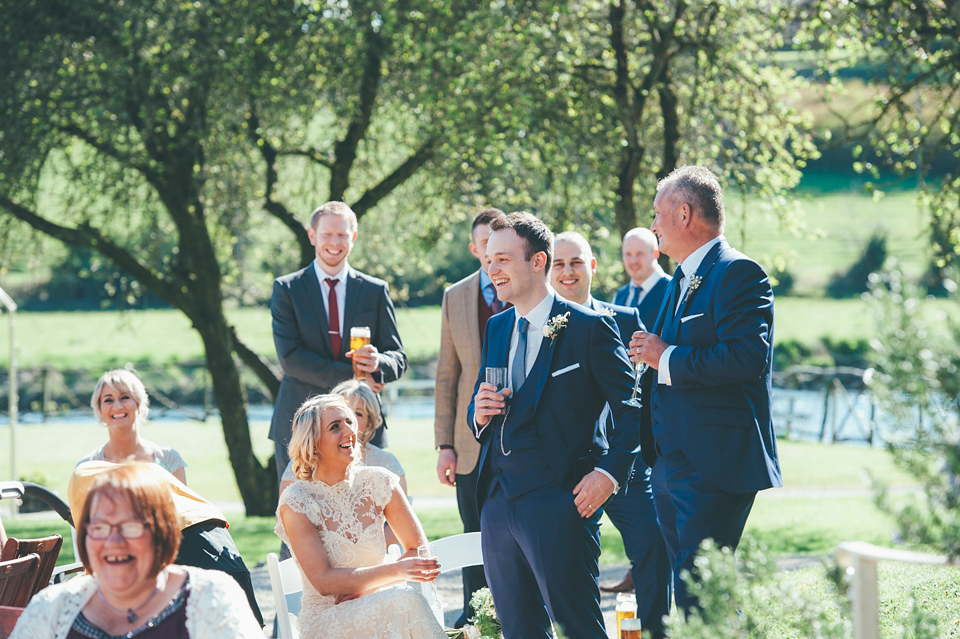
547,465
706,426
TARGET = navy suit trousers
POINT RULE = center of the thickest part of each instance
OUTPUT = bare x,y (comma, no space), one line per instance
690,509
545,558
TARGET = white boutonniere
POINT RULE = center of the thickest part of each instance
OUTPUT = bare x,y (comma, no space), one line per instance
695,282
555,324
603,310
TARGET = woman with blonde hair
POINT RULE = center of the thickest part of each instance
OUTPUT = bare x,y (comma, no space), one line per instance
120,402
332,517
366,408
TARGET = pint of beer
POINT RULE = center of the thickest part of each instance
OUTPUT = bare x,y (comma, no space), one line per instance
626,608
359,337
630,629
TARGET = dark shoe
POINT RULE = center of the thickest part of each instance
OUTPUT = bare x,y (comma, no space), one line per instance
461,622
624,586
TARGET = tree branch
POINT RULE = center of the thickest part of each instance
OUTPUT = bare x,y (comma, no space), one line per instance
86,236
400,175
260,366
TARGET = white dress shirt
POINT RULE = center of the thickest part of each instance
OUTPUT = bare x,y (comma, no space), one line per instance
538,319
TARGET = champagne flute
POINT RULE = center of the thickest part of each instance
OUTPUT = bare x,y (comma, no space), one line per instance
636,399
426,552
359,337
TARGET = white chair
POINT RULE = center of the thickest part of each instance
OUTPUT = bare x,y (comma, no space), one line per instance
453,553
287,588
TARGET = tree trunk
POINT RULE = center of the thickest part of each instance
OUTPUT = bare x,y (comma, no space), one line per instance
258,485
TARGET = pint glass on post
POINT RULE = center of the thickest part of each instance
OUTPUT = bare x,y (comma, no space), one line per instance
359,337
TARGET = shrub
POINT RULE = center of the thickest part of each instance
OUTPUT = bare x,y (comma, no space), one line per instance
856,280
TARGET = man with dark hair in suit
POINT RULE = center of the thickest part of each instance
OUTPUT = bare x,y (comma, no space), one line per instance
706,424
467,305
547,465
313,310
631,508
648,282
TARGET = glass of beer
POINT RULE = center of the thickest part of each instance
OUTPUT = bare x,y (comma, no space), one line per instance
359,337
626,608
630,629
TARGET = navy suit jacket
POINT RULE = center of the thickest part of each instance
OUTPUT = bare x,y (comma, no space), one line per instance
649,306
628,322
717,409
300,333
584,367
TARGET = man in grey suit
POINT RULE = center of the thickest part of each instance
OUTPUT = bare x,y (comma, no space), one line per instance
313,310
648,282
467,305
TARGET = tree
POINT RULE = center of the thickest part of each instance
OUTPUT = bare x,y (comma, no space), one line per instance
630,90
159,134
914,124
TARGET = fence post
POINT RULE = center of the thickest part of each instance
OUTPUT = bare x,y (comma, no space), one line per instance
45,393
861,570
827,390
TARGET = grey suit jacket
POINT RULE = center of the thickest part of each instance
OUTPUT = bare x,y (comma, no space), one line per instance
300,333
457,369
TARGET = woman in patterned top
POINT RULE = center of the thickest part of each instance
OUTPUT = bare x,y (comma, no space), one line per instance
129,536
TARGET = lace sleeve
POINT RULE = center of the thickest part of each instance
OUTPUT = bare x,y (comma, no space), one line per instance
381,483
300,501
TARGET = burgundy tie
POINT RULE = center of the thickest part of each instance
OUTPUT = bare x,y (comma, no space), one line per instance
496,305
333,316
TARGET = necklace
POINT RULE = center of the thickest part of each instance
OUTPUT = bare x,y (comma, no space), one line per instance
130,613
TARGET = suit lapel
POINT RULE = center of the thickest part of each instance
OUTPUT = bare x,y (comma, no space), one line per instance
705,265
469,312
548,347
501,335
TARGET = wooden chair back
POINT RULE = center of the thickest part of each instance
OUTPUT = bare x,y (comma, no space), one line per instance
48,548
17,577
8,619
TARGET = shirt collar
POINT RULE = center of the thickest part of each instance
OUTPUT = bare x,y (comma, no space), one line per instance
485,280
648,283
541,312
322,274
692,263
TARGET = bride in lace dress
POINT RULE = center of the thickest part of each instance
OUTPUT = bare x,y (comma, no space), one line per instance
332,518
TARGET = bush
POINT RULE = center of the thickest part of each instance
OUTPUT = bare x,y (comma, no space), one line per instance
856,280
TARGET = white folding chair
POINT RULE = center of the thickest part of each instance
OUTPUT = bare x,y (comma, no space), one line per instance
453,553
287,588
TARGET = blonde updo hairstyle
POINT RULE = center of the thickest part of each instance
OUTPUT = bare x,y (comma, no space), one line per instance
353,389
307,424
125,381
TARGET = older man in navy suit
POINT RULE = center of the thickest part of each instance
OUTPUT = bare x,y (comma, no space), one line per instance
706,426
547,465
648,283
631,509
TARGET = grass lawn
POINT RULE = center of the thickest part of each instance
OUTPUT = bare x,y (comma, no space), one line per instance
788,521
96,341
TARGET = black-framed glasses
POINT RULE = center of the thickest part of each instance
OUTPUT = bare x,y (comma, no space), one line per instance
128,529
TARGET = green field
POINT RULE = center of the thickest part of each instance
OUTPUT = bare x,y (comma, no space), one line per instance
96,341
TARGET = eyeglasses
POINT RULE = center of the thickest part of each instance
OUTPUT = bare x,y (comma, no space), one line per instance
127,529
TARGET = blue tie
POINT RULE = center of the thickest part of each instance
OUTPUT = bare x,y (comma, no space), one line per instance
520,356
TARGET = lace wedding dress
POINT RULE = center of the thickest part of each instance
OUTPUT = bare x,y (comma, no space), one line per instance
349,519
